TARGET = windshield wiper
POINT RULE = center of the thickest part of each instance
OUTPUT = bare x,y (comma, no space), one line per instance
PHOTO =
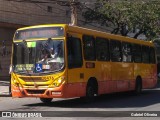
45,72
22,72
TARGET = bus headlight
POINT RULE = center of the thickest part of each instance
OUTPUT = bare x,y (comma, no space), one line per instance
16,83
59,81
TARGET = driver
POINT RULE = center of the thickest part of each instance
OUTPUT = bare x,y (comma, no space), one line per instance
46,55
56,51
50,52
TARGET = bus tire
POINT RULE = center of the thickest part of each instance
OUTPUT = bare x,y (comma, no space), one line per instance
91,91
138,86
46,100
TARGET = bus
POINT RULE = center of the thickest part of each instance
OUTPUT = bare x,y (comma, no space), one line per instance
63,61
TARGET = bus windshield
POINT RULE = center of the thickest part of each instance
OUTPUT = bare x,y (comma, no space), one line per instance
43,56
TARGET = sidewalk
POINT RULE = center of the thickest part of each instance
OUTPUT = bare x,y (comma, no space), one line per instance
4,89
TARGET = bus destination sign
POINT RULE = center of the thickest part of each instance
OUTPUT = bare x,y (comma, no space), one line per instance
43,32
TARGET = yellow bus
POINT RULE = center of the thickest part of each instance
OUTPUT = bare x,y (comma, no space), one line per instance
63,61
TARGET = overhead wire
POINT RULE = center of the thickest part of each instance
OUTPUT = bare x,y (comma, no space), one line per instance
15,12
37,4
29,14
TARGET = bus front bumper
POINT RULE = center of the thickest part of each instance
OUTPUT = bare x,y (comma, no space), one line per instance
38,92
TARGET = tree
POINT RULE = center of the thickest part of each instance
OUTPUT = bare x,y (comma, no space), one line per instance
126,16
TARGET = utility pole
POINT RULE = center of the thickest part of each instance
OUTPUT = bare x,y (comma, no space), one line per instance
73,5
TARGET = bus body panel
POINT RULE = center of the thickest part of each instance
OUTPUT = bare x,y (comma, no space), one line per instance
103,73
147,73
122,77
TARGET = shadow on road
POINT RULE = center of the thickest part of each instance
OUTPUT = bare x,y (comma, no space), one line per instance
116,100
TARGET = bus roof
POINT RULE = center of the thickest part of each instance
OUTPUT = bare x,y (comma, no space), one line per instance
108,35
96,33
45,25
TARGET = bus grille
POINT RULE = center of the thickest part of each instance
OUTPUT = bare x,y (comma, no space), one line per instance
32,79
35,91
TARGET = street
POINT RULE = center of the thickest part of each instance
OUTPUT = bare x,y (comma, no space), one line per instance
149,101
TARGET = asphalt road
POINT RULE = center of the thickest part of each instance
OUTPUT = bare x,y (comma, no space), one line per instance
113,106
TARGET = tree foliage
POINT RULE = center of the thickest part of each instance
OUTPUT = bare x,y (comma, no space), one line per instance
127,16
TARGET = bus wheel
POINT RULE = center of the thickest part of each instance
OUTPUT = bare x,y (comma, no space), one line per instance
138,87
90,92
46,100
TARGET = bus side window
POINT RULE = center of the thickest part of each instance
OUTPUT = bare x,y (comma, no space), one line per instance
74,52
137,53
102,49
126,52
115,51
145,54
152,55
89,48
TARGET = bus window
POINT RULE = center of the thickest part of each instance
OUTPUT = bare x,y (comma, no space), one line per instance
152,55
89,47
74,52
102,49
137,54
145,54
115,51
126,52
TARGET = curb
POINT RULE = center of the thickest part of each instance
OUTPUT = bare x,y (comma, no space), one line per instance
5,89
5,94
